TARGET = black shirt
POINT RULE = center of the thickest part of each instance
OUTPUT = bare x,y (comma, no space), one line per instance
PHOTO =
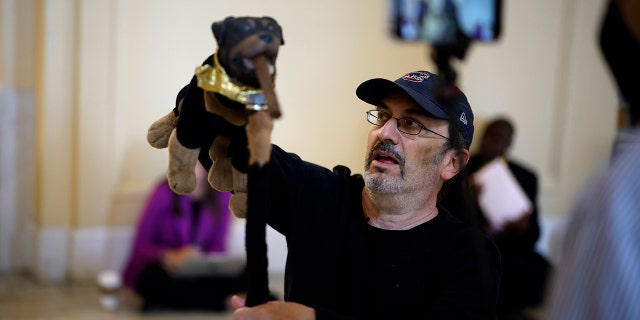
346,269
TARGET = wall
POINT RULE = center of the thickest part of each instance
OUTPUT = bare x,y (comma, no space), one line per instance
17,136
105,70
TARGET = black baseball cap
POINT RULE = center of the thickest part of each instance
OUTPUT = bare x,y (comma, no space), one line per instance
422,86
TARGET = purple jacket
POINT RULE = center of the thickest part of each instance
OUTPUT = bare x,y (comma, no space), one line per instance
159,229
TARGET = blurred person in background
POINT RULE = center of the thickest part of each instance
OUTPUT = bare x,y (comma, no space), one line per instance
524,271
173,229
598,275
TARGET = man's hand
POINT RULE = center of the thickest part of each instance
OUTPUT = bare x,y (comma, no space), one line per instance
272,310
518,226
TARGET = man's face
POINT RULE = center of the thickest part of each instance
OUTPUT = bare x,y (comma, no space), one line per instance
397,162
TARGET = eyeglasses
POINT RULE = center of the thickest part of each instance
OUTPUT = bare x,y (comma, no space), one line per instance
405,125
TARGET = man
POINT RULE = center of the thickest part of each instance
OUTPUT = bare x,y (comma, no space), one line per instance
379,247
524,271
597,275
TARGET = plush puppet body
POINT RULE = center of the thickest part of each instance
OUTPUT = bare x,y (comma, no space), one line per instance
211,112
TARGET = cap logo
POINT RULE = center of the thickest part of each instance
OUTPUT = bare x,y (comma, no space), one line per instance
463,118
417,76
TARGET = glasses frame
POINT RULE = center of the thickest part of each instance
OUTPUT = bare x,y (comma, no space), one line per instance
372,118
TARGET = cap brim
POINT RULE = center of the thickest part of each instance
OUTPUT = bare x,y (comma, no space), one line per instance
374,90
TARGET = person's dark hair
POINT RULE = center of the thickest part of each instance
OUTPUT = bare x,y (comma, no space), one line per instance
505,122
456,142
456,139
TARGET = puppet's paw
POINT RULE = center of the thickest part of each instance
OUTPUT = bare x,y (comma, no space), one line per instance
160,131
181,182
220,175
240,181
182,161
238,204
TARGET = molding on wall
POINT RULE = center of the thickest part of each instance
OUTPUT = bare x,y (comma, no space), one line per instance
91,250
99,248
79,254
88,252
51,261
26,247
16,175
8,159
118,245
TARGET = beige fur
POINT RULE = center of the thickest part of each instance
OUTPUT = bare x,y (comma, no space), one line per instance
159,132
181,174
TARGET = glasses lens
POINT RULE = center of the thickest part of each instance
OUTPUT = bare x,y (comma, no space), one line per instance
409,126
374,117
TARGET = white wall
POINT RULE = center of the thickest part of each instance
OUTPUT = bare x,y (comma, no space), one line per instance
108,69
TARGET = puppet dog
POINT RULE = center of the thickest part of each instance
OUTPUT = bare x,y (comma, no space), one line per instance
211,111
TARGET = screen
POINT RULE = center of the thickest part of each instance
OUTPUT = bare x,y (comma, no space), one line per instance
439,21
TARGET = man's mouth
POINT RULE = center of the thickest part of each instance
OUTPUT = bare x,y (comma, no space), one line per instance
384,158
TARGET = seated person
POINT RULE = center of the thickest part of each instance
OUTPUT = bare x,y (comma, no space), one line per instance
173,229
524,271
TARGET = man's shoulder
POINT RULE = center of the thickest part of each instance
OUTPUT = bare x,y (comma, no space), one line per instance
448,218
450,226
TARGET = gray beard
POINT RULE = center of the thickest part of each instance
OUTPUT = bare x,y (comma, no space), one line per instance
383,185
380,184
391,185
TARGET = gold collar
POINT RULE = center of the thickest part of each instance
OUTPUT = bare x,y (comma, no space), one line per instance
217,80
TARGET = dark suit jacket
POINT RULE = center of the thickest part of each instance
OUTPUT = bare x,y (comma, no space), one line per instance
457,197
525,272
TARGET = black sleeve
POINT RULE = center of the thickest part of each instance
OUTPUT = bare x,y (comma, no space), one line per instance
295,185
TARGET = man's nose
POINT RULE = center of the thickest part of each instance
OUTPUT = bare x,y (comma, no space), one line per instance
389,131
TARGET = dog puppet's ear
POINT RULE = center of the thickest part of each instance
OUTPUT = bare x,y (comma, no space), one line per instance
278,30
218,29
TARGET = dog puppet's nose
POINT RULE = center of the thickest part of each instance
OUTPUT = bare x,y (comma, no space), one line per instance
266,37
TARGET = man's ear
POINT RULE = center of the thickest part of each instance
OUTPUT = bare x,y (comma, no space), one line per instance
456,161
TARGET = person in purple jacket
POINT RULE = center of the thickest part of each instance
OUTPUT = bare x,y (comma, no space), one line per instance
171,230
